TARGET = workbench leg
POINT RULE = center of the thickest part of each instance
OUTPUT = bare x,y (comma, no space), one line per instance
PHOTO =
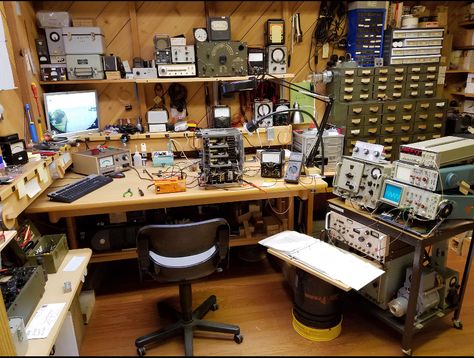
465,278
71,233
291,213
412,300
309,214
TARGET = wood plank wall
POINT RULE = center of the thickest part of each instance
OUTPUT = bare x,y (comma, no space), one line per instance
175,18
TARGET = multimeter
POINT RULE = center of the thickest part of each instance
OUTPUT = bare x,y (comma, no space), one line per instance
221,116
293,170
275,32
272,162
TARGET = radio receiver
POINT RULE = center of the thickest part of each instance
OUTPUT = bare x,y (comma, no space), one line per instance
221,58
105,161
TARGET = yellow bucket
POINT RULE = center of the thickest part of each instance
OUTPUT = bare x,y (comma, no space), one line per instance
317,334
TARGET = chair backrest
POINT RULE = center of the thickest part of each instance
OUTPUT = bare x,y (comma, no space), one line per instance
182,252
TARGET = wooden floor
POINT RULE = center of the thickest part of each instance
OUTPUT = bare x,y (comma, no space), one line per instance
255,296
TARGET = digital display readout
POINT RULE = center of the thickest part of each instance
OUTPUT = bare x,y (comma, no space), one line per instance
392,193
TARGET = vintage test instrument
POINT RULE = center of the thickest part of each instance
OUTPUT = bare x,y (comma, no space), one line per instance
275,32
221,116
262,108
256,60
361,181
222,157
218,28
272,163
101,161
439,152
276,58
221,58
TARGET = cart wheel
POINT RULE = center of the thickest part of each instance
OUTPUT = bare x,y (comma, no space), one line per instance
238,338
406,352
457,324
214,307
141,351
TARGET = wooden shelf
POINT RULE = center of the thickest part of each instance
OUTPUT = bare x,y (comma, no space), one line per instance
160,80
459,71
467,24
463,48
9,235
467,95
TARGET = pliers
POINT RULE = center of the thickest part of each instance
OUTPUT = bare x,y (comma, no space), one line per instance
127,193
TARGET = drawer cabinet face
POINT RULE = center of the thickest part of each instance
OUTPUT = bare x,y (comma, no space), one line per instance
365,72
420,127
407,106
391,107
395,129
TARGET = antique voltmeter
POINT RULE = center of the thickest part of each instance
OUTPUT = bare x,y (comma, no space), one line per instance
275,32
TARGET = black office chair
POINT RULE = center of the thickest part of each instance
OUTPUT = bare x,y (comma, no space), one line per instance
182,253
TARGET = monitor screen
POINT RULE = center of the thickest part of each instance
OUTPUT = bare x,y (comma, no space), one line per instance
392,193
72,113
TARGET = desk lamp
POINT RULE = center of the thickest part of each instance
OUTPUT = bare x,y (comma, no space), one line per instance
310,163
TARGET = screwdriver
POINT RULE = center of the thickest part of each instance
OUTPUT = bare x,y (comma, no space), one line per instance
34,89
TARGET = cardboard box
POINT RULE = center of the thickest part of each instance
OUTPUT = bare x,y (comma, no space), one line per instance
464,38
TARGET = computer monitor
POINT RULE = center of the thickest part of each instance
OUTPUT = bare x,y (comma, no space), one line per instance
72,113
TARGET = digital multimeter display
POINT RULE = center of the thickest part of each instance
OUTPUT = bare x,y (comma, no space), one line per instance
392,193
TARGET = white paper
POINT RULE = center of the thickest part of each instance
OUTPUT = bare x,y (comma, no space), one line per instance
32,187
73,263
329,260
338,264
6,77
20,187
44,320
287,241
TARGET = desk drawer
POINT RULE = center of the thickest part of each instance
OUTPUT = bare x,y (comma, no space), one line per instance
397,118
390,129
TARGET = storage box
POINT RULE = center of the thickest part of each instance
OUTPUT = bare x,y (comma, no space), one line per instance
53,19
49,252
83,41
53,72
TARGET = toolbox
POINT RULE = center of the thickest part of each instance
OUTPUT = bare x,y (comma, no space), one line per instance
36,249
49,252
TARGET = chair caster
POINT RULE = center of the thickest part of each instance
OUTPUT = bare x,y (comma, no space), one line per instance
238,338
457,324
141,351
214,307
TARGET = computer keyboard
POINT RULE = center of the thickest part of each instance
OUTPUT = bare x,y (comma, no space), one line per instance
80,188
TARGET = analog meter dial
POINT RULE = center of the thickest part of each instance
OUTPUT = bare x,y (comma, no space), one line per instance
200,34
278,55
376,173
263,110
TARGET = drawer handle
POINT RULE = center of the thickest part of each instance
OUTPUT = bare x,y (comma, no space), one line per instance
372,130
383,71
438,125
388,140
374,109
349,80
399,70
365,80
357,110
349,73
405,128
391,119
415,78
438,115
382,88
425,105
414,85
383,79
373,120
406,117
422,128
420,137
392,108
429,84
348,89
405,139
355,131
355,121
347,97
398,78
416,70
388,148
389,129
366,72
364,96
397,95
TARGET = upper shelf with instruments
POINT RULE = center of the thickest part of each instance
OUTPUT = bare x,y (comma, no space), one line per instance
163,80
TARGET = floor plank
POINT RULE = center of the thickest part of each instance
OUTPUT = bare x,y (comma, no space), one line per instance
255,296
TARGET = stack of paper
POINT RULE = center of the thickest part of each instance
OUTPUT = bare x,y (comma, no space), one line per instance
331,261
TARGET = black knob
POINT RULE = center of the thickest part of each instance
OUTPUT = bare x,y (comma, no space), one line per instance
222,59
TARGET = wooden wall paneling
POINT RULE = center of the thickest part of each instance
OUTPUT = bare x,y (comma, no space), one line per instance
11,100
22,33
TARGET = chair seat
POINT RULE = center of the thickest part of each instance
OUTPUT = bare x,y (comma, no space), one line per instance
183,261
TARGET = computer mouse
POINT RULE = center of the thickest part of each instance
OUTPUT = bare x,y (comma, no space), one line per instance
117,175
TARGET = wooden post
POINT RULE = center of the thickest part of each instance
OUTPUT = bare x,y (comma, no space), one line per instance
6,341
